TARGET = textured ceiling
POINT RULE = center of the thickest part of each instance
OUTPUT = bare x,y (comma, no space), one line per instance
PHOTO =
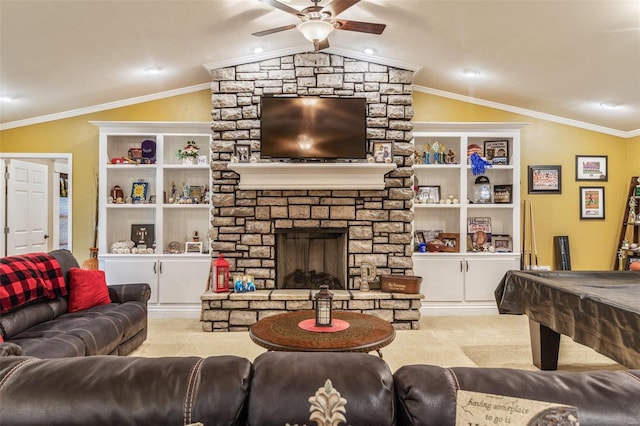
562,58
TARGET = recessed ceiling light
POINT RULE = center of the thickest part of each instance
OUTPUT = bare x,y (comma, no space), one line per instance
471,72
609,105
369,50
153,70
258,49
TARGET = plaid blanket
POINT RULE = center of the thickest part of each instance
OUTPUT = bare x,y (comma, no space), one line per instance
29,277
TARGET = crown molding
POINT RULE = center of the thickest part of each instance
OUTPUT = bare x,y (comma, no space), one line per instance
528,112
103,107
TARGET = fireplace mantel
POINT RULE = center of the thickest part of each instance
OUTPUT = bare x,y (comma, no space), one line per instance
345,176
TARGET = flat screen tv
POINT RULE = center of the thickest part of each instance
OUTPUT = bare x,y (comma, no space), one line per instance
313,128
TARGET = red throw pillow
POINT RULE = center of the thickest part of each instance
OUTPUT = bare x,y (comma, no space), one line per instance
87,289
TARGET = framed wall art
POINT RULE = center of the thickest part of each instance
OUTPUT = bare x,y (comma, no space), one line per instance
591,167
545,179
592,202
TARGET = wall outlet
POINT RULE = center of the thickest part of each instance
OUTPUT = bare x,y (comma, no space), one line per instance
542,267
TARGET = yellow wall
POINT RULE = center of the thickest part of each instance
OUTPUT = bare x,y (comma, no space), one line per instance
593,243
80,138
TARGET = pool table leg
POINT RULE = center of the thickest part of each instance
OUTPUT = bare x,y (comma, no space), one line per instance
545,344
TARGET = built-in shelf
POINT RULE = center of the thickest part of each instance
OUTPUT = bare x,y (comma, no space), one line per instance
312,175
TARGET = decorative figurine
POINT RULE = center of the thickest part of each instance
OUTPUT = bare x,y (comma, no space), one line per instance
436,151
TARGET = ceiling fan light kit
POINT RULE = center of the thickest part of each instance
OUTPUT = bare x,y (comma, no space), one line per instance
318,22
315,30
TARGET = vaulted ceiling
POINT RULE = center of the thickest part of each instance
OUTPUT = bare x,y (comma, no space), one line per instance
574,60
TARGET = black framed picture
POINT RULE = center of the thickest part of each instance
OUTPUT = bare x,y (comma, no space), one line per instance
592,202
502,194
242,151
591,167
143,235
545,179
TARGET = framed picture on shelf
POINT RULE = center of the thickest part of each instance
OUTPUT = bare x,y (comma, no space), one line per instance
478,233
193,247
139,192
591,167
451,241
431,234
143,235
419,235
196,192
502,243
497,150
592,202
502,194
428,194
382,152
545,179
242,152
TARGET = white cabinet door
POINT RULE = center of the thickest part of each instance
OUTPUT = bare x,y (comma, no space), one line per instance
483,276
183,280
140,270
442,278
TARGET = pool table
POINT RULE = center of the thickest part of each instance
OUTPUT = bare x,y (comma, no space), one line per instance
600,309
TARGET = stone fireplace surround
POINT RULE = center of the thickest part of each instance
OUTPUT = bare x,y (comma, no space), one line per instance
245,220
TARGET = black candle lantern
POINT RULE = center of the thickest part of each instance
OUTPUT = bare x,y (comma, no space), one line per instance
323,300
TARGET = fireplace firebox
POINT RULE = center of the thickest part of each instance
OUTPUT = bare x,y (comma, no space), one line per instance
309,258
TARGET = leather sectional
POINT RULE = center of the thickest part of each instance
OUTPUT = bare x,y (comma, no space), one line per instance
281,388
46,329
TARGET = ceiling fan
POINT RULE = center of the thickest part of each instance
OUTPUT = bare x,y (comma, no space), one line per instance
317,22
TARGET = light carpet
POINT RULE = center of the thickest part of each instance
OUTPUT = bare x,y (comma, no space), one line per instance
447,341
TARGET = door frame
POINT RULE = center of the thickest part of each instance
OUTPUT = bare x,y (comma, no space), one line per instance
53,196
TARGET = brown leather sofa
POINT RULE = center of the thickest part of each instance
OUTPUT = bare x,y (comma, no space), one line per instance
45,329
281,388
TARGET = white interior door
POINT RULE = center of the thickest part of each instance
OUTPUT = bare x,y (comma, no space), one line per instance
27,189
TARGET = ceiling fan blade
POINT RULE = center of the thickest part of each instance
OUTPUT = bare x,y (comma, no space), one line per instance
273,30
362,27
338,6
282,7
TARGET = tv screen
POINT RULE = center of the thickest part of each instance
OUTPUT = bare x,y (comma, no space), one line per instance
313,128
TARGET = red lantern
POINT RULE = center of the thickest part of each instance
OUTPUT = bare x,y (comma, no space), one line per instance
220,278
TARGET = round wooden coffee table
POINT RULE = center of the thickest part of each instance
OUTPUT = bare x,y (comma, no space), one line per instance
282,332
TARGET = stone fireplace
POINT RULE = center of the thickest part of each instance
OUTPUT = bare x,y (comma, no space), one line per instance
250,221
246,221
